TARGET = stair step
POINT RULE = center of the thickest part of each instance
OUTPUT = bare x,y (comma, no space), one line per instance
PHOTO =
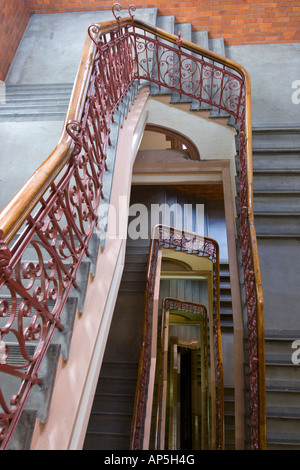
277,224
116,403
289,412
21,439
276,202
119,369
106,441
132,286
277,440
283,181
48,116
281,385
116,385
200,38
39,88
135,267
109,422
277,137
39,399
134,276
279,159
283,371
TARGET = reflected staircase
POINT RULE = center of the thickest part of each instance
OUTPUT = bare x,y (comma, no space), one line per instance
123,346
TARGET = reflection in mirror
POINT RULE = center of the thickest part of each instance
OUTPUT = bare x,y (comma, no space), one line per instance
182,413
179,401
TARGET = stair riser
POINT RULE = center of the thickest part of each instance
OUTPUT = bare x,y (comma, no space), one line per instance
283,425
110,423
276,160
289,373
106,442
277,225
276,139
282,397
116,385
113,403
282,348
273,203
125,370
278,182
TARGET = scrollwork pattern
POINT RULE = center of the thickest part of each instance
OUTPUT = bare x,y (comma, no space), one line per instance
190,75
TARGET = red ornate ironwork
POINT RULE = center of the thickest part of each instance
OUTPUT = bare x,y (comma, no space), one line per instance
197,77
177,304
38,270
250,294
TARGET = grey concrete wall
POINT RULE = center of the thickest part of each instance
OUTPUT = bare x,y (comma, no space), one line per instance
272,68
51,47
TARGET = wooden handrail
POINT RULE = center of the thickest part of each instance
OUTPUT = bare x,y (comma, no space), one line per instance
17,211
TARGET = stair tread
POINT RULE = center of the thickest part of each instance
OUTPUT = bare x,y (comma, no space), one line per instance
107,433
282,385
113,414
280,412
282,334
278,437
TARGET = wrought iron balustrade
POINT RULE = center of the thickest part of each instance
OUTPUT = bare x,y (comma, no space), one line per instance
55,212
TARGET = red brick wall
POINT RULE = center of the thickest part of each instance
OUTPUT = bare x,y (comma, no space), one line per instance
237,21
14,16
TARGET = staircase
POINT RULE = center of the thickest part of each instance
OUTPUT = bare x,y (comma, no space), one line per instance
277,208
276,167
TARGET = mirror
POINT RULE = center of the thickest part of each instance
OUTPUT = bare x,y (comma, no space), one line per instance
184,402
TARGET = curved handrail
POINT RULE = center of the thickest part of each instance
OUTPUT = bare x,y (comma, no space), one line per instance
20,209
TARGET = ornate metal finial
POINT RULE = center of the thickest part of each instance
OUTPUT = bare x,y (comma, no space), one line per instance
93,32
130,9
73,128
117,7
